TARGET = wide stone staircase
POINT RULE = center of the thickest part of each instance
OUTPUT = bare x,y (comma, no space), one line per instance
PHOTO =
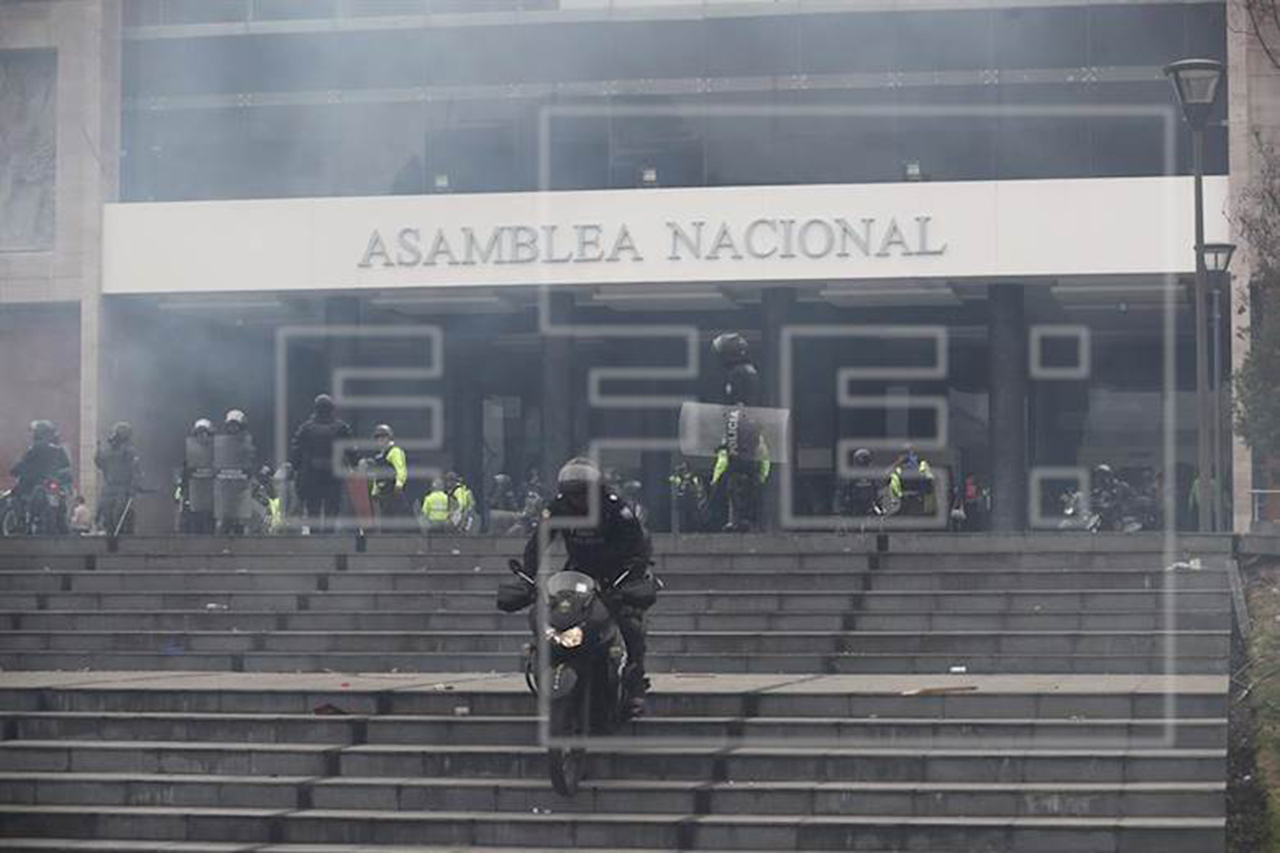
1059,693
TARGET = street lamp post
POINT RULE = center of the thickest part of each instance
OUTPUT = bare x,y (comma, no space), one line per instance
1196,83
1217,260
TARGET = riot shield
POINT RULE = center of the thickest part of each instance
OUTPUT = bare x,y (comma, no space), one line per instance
232,462
200,476
705,427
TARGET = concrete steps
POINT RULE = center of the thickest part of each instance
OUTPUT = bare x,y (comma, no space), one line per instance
622,831
1203,733
921,799
223,734
490,620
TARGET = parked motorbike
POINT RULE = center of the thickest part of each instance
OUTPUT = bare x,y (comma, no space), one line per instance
1077,512
44,512
589,692
10,518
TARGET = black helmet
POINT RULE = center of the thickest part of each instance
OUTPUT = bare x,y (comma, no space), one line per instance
121,432
862,457
1103,472
323,405
578,475
383,431
731,347
43,431
202,425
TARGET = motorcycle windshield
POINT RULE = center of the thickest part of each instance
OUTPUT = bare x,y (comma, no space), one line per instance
570,595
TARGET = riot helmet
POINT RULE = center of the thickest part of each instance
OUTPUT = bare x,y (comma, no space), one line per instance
323,405
731,347
202,426
383,431
235,421
121,432
43,432
576,480
862,457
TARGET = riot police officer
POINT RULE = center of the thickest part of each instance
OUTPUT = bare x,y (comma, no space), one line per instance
311,456
197,479
742,460
615,544
121,476
233,463
859,495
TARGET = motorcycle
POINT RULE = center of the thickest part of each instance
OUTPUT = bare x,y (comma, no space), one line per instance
590,687
1077,513
44,512
10,515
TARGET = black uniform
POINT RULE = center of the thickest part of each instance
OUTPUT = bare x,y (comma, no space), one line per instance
311,455
121,474
618,544
858,496
43,461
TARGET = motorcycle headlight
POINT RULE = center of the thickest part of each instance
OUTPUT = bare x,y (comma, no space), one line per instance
569,639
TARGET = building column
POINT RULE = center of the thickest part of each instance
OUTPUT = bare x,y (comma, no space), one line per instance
557,397
775,314
1007,421
1242,155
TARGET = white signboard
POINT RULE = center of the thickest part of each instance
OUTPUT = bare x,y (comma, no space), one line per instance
1002,229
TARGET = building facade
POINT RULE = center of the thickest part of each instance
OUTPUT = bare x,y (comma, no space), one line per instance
511,228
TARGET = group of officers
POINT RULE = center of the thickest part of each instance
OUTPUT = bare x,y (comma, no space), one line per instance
222,490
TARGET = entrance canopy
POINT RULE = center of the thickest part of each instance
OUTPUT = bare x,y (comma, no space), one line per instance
1010,230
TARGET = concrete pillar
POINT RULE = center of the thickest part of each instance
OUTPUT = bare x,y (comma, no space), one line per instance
775,313
557,397
1007,380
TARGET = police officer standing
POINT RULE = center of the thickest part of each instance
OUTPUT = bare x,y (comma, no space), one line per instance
389,473
121,475
742,460
233,463
311,455
196,492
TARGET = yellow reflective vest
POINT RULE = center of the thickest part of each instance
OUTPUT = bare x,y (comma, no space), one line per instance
435,507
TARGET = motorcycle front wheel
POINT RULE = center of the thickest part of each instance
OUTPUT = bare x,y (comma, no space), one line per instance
11,523
568,720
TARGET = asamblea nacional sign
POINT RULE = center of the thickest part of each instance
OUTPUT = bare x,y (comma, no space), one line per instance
592,243
993,229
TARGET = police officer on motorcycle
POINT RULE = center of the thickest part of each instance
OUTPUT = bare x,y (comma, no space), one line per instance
46,459
617,543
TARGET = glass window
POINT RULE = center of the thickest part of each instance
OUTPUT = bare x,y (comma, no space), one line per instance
658,149
952,144
1206,29
850,140
1038,146
751,47
939,40
1041,37
579,155
659,49
266,10
203,11
835,44
374,8
483,146
1135,34
744,150
565,52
